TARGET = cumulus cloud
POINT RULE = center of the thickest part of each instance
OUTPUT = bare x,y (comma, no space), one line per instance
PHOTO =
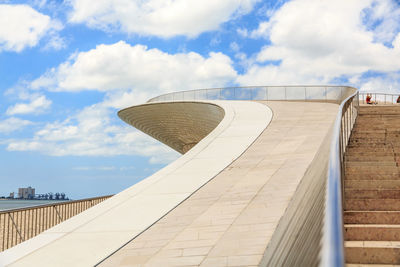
127,75
382,82
158,17
121,66
90,168
13,124
38,104
92,132
329,41
22,26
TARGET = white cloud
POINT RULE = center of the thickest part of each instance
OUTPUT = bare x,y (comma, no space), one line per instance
158,17
386,83
22,26
121,66
39,3
382,18
90,168
234,47
127,75
93,132
38,104
315,41
55,42
13,124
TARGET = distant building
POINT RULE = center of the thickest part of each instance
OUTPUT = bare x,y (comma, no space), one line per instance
26,193
11,195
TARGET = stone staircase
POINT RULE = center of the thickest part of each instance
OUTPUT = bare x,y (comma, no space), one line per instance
372,188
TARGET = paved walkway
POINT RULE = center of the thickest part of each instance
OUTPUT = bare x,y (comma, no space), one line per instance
231,219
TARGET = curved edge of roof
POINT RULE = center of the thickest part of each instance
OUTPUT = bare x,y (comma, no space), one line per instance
172,124
121,218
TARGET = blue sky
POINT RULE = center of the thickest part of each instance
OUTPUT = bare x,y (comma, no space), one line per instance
67,67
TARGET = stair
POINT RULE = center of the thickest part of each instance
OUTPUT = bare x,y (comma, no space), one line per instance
372,188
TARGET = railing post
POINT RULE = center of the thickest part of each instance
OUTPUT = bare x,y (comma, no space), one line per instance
59,216
285,93
326,95
305,93
16,228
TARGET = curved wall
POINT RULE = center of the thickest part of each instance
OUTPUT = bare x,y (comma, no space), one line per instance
173,124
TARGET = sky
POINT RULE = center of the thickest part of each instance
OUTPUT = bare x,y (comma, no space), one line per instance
67,67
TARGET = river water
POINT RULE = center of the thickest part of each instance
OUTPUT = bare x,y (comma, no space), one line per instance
17,203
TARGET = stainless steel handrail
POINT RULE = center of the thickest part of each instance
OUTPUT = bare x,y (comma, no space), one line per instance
332,252
293,93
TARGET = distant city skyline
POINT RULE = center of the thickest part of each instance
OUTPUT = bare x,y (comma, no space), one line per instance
66,68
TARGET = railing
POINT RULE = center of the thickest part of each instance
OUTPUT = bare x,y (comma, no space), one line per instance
332,251
288,93
18,225
379,98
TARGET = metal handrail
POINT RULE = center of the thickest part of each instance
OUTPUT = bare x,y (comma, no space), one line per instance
56,202
20,224
289,93
332,252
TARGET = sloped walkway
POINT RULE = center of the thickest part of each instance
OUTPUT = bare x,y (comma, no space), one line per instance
231,220
91,236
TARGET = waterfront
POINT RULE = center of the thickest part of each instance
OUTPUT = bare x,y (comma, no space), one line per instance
19,203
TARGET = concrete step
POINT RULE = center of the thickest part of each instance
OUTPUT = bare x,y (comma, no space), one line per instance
370,158
372,252
365,145
368,134
372,184
371,193
378,129
372,169
374,142
360,149
372,232
379,114
385,153
372,204
365,120
371,217
390,162
371,176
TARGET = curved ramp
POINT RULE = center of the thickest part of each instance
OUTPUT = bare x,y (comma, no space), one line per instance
91,236
257,209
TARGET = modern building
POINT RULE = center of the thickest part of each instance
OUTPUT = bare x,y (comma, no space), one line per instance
26,193
260,183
